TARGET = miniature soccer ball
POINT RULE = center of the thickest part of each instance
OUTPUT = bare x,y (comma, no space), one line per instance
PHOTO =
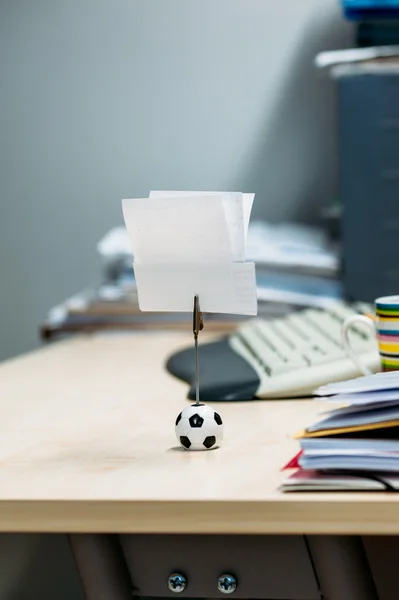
199,428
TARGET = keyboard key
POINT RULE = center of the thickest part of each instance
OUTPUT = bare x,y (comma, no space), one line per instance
282,346
325,324
317,337
279,369
316,356
264,353
284,328
343,312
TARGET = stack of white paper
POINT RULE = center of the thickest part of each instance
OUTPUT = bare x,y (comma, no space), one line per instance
379,382
192,243
359,437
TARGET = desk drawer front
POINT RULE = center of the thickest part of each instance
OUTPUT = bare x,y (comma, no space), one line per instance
276,567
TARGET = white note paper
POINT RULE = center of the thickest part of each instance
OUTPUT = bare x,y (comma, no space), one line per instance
221,287
178,230
191,243
237,207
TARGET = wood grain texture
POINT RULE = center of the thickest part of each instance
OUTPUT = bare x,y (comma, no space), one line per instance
87,444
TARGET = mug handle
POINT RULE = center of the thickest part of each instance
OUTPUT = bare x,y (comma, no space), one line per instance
348,323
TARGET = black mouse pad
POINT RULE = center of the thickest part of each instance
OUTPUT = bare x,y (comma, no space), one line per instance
224,374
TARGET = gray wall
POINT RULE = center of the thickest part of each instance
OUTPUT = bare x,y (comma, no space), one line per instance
103,99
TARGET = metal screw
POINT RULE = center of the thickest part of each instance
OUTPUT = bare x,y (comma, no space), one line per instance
177,582
227,583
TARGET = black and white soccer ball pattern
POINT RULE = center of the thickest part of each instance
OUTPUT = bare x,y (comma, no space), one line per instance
199,428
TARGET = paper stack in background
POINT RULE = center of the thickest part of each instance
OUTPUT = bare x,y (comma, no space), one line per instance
190,243
297,266
355,446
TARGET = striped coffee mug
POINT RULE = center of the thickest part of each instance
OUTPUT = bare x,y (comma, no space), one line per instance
385,325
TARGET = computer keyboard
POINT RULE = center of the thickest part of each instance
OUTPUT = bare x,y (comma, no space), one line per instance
295,354
285,357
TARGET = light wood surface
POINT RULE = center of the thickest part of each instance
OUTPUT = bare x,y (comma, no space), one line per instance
87,444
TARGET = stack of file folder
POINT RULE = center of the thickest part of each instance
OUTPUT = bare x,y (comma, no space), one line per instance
296,267
113,306
355,445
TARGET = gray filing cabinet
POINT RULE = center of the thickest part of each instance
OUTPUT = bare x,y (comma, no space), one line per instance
368,147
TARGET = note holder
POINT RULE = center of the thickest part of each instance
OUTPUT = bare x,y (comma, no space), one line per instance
198,427
192,246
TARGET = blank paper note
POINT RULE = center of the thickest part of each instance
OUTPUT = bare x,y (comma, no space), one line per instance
237,207
191,243
177,229
221,287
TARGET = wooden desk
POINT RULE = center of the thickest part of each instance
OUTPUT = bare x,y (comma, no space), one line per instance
87,444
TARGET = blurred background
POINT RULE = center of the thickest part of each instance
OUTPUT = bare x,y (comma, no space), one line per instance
103,100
